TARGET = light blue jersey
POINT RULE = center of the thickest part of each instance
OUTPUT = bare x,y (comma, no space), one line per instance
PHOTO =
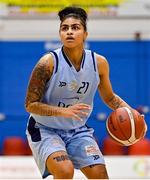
68,86
48,134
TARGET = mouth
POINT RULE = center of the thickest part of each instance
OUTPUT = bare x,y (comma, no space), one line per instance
70,38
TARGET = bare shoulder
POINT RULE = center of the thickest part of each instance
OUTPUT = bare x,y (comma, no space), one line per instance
102,64
40,76
43,69
46,63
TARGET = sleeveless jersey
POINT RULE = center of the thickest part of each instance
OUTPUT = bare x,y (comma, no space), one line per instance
67,87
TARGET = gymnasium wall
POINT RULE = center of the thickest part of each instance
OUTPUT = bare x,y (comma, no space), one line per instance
23,42
129,72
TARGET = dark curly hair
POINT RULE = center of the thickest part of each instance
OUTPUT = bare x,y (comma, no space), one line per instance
76,12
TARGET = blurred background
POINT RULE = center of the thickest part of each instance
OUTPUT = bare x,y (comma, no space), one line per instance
118,30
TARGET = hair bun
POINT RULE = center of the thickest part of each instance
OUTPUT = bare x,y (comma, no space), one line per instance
73,10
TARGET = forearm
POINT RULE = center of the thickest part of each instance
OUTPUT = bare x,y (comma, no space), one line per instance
116,102
43,109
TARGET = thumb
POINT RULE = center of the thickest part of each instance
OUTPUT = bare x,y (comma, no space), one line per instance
143,116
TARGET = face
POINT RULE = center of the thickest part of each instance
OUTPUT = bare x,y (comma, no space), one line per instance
72,33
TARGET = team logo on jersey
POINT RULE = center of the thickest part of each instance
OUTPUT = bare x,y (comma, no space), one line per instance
62,83
73,85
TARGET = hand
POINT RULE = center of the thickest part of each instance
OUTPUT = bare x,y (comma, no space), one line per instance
143,117
76,111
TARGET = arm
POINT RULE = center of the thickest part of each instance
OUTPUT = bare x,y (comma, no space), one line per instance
39,77
36,89
105,88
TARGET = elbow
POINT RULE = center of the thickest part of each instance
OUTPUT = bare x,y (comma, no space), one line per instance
27,107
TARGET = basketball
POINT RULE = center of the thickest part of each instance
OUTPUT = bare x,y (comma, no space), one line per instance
126,126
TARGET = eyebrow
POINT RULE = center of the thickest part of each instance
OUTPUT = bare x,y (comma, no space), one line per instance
70,25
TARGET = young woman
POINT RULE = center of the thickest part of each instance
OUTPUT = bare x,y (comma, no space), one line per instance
60,100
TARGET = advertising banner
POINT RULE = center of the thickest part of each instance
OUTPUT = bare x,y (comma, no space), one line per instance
119,167
103,8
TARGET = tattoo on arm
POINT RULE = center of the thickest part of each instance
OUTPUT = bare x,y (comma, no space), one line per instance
39,78
115,102
43,109
61,158
93,165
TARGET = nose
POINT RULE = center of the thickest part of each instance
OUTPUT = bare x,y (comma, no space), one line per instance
69,31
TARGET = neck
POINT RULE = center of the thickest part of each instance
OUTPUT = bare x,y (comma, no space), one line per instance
74,54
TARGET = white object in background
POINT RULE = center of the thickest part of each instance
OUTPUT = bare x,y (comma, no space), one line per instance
119,167
2,117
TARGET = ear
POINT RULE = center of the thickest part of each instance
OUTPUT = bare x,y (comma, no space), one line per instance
85,35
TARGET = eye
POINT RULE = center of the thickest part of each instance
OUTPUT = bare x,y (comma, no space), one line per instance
75,27
64,28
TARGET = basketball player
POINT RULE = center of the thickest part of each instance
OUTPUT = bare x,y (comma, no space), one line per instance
60,100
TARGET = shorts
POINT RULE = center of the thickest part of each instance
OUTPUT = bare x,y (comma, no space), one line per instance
79,144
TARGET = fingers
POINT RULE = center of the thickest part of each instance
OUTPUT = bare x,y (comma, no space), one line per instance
78,115
82,106
83,113
79,111
145,127
143,116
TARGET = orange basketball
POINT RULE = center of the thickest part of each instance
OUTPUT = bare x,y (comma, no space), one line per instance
126,126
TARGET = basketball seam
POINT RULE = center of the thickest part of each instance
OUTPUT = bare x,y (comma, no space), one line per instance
115,138
122,130
132,138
